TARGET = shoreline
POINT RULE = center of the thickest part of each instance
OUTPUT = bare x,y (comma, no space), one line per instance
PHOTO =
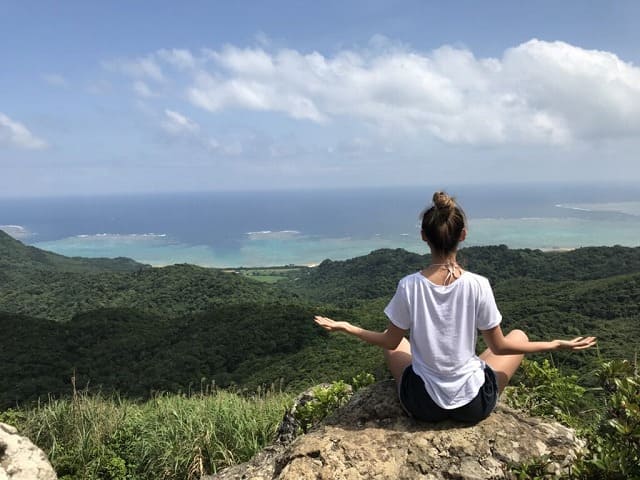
238,269
561,249
158,252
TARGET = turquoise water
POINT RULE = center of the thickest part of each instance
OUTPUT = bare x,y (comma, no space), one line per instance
276,248
302,228
268,250
553,233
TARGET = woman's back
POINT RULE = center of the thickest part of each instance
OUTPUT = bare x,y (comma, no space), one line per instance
443,321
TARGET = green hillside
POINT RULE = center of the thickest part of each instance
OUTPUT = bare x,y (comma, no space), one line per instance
376,275
41,284
116,327
175,328
17,258
136,353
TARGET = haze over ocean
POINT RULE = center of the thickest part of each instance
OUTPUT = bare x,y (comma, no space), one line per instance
232,229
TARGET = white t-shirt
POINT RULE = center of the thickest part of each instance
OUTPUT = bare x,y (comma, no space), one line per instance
444,320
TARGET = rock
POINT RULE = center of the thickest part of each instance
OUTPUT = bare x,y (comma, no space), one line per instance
372,438
20,459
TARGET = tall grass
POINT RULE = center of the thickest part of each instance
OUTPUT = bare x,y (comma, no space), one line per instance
168,437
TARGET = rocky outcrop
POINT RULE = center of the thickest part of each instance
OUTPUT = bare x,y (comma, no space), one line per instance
20,459
372,438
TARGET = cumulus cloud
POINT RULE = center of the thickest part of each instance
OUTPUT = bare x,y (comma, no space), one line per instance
214,95
179,58
538,92
14,134
593,92
535,93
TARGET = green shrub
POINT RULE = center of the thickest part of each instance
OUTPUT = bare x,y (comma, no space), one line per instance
325,400
362,380
544,391
534,469
614,447
12,416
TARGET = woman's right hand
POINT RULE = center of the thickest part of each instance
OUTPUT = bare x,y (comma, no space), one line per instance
330,325
578,343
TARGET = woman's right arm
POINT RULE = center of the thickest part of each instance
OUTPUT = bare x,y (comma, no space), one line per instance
389,339
501,345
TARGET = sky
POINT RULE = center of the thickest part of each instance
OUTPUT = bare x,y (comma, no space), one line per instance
138,97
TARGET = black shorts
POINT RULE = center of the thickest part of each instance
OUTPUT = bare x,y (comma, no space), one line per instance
417,402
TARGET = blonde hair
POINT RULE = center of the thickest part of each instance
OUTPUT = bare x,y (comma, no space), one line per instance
443,222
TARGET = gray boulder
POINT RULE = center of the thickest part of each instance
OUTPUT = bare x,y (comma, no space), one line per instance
372,438
20,459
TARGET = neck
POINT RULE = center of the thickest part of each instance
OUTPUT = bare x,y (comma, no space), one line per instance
437,258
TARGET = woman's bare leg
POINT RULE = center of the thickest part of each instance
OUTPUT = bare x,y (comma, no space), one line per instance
504,365
398,359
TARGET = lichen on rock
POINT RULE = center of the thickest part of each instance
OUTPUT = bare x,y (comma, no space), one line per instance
372,438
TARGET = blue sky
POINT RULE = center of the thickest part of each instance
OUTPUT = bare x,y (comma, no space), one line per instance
133,97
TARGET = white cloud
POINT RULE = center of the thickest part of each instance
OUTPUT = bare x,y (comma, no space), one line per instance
55,80
177,124
183,129
179,58
248,61
214,95
14,134
594,92
547,93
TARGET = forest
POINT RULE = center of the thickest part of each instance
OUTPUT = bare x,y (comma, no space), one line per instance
115,325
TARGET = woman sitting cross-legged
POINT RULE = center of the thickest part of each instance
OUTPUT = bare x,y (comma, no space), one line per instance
438,373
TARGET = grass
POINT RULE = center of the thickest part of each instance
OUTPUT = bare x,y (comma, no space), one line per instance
269,274
185,437
168,437
267,278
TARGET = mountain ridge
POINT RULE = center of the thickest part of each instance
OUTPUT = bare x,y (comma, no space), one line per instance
174,326
15,254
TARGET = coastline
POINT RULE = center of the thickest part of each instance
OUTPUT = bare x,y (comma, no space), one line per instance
261,230
315,264
266,250
558,249
161,251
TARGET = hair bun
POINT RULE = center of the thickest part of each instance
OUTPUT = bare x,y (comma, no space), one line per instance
442,201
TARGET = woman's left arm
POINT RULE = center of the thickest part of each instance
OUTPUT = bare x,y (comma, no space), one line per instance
389,339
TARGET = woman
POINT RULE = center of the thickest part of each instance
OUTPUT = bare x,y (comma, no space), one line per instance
438,374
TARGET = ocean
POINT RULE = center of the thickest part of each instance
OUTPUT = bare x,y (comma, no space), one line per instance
251,229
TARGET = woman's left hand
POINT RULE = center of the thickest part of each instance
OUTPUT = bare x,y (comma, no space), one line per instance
329,324
578,343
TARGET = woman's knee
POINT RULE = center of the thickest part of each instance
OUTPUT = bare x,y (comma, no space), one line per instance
397,360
